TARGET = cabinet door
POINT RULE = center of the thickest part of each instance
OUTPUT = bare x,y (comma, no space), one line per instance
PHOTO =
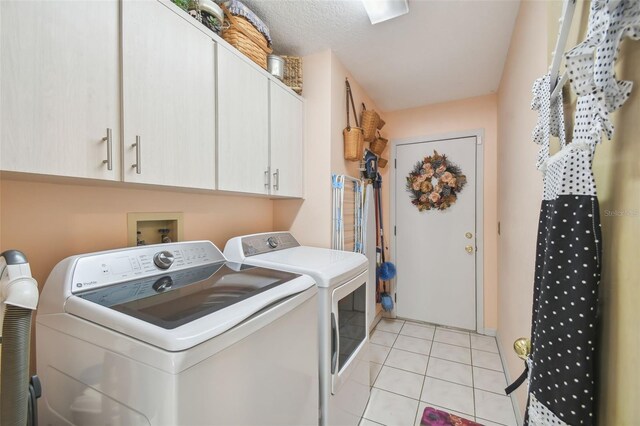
243,121
169,98
287,135
60,87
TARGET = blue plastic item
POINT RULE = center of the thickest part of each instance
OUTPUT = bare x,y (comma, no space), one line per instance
387,271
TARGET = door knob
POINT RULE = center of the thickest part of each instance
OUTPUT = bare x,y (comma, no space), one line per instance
522,347
469,249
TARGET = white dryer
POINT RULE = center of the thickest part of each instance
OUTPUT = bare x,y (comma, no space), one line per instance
341,278
173,334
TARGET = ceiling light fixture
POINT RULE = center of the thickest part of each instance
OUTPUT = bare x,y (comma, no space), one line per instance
383,10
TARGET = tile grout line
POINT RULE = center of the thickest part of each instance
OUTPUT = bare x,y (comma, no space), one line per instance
420,400
424,380
429,356
498,423
402,369
440,378
473,382
372,421
468,347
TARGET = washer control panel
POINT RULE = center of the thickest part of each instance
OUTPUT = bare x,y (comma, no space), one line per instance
111,267
264,243
163,259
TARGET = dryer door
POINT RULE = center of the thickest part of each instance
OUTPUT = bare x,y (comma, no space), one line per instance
349,351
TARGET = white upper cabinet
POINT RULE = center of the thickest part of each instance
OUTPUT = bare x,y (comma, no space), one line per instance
243,125
287,134
168,98
60,88
137,90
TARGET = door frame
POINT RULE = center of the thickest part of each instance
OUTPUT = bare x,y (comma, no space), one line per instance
479,180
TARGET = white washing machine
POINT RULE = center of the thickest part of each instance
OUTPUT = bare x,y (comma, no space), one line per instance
341,278
173,334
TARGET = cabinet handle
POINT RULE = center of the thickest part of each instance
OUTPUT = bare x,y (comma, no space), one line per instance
276,178
267,178
108,139
138,147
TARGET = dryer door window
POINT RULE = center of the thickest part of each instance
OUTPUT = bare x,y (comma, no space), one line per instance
349,328
352,323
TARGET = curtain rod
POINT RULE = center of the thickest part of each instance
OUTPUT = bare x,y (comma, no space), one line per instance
565,25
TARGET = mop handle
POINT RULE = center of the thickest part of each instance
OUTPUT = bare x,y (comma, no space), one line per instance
379,205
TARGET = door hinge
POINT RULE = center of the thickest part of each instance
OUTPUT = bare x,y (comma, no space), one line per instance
395,163
394,230
498,227
395,297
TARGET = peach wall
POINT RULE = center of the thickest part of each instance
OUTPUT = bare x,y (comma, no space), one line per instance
310,220
339,116
50,221
468,114
616,168
519,183
324,91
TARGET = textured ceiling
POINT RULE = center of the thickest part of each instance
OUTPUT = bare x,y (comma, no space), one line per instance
441,50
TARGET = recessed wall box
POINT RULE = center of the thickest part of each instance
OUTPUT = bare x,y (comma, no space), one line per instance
151,228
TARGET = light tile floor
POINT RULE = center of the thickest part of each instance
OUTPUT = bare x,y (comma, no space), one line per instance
415,365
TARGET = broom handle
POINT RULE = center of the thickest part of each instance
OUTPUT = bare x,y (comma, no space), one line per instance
375,202
378,280
381,230
379,203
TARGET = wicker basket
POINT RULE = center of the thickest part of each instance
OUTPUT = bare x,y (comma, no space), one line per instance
369,122
293,73
352,135
378,145
381,123
382,162
242,35
353,143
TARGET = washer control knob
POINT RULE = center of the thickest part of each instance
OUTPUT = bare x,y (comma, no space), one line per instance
273,242
163,284
163,259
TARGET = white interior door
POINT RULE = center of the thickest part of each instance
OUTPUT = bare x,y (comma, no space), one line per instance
436,279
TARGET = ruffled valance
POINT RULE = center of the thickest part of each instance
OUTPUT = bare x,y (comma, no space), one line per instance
591,63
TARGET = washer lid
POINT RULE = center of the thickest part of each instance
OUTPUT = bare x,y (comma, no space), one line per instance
327,267
180,309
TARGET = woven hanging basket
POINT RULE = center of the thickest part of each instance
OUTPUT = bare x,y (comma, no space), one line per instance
382,162
369,122
242,35
378,145
353,135
353,143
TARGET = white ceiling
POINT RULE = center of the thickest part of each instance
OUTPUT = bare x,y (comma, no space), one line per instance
441,50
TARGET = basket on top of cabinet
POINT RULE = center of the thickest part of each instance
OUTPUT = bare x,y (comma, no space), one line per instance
246,32
293,73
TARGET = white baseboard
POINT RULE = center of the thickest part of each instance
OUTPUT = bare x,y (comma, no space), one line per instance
514,400
375,321
488,331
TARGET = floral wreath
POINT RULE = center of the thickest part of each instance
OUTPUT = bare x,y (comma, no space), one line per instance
435,182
